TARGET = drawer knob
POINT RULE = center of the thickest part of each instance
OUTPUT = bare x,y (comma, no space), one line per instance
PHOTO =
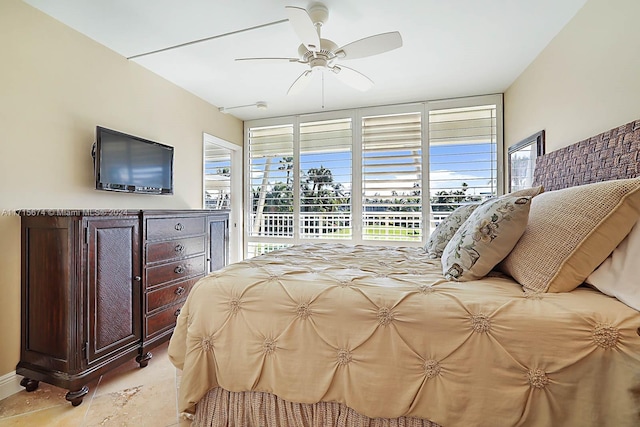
179,227
177,313
179,269
180,290
179,248
137,278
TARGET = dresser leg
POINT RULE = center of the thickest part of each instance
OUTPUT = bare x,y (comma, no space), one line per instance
75,397
143,359
29,384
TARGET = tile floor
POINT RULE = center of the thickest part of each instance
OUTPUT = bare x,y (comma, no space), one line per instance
125,397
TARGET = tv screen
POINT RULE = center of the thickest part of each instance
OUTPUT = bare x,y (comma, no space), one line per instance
132,164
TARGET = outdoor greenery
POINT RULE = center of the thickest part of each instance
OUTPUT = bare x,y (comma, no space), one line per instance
319,193
447,201
399,203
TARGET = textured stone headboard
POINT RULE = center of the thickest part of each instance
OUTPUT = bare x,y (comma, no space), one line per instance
614,154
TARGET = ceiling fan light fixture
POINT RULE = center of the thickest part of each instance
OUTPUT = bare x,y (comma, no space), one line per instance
318,63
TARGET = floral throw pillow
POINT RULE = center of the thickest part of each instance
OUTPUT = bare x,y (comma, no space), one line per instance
485,238
446,229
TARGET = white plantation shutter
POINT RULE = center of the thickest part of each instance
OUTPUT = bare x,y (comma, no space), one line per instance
361,176
462,157
325,179
217,177
271,177
391,177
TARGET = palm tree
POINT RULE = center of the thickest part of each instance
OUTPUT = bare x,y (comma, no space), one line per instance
319,177
287,166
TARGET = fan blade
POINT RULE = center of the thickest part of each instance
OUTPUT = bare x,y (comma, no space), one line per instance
304,28
269,59
301,83
352,78
370,46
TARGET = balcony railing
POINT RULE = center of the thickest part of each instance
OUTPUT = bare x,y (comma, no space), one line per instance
394,226
272,225
326,225
399,226
380,226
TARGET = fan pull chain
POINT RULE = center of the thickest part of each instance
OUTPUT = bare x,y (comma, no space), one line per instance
323,91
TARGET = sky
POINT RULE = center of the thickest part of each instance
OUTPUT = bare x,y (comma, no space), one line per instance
451,166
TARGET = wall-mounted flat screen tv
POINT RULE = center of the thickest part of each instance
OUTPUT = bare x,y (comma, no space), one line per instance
131,164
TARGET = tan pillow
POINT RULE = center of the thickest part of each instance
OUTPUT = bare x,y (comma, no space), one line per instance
570,232
532,192
446,229
485,238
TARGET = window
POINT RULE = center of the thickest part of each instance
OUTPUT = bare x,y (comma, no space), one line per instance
271,177
217,177
391,177
462,157
361,176
325,179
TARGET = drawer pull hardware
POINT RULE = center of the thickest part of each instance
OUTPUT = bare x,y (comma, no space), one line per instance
137,278
179,269
179,227
179,248
180,290
177,313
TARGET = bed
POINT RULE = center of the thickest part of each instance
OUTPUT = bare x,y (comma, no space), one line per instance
524,311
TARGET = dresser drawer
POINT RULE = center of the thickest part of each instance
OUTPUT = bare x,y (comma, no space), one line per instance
163,320
178,248
170,295
171,228
181,269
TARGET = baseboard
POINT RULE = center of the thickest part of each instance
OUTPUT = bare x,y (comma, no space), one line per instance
9,384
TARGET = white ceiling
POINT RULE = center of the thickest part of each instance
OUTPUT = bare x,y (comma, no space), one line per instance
451,48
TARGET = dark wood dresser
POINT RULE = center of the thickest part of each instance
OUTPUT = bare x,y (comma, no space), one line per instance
100,287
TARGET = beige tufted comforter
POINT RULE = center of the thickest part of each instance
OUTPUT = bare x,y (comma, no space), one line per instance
380,330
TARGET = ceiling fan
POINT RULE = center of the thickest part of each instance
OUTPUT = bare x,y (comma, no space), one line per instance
322,54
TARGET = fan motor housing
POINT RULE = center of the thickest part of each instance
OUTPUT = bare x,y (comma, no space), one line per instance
326,52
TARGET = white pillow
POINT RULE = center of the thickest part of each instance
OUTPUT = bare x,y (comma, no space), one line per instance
619,275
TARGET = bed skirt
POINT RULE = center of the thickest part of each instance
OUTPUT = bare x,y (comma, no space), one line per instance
222,408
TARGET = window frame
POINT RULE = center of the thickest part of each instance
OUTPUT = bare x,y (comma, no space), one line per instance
356,116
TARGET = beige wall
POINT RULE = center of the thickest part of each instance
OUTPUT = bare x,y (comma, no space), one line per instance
55,87
586,81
